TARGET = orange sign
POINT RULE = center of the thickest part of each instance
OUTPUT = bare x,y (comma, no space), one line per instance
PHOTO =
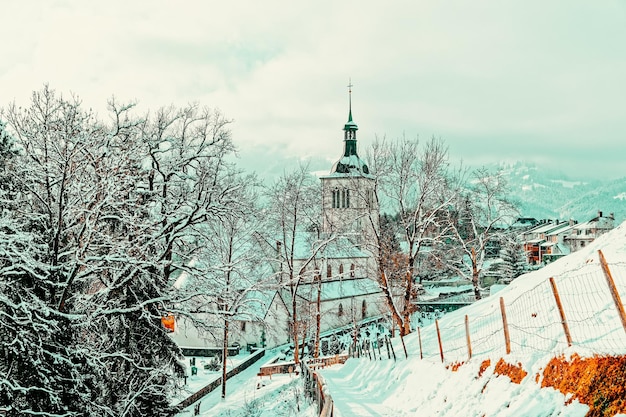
169,322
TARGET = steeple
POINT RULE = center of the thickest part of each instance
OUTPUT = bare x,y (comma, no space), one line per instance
350,162
350,127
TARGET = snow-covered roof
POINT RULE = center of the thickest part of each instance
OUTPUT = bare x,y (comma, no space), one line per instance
255,304
535,241
563,227
341,247
332,290
546,228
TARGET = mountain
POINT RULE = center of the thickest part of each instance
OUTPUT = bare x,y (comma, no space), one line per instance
543,193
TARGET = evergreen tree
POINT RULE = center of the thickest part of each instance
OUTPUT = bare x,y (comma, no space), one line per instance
512,254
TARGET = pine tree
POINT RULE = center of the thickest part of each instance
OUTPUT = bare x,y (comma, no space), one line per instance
512,255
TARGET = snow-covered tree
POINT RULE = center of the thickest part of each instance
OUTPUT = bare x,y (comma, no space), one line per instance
231,265
108,213
480,217
412,181
293,223
512,254
33,358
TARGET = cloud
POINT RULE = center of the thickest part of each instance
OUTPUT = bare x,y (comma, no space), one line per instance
494,79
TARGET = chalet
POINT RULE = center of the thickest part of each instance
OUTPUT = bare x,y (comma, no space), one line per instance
553,239
585,233
534,237
554,246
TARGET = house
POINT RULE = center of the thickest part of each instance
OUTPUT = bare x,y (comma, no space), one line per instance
553,239
585,233
260,320
554,246
533,238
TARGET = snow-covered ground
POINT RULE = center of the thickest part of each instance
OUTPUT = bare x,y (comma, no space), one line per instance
203,376
248,395
428,387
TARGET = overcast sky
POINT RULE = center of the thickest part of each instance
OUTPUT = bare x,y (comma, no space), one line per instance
539,81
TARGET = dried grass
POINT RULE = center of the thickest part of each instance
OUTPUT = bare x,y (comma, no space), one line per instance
599,382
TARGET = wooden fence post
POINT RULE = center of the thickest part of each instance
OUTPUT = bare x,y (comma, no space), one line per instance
505,324
557,298
374,351
439,339
387,346
467,336
419,339
614,293
393,352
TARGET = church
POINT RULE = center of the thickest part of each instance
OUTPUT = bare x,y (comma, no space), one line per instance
350,292
340,283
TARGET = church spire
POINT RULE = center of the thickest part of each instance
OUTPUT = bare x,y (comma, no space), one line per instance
350,100
350,162
350,127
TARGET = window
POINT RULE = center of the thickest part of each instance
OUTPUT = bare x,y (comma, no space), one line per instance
243,326
340,269
364,309
340,310
329,271
352,268
340,198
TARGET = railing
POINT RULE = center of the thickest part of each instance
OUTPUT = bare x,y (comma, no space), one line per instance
316,389
213,385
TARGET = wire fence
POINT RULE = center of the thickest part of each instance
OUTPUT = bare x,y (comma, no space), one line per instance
580,308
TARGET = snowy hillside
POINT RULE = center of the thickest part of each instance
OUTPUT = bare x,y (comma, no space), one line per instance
547,194
414,386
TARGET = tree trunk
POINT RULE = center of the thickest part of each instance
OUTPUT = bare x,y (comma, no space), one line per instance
296,351
389,300
406,312
224,355
318,318
475,281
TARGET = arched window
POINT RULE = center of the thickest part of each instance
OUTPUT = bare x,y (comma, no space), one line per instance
340,269
340,198
340,310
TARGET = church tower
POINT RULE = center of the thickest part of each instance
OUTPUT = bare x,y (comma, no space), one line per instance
350,207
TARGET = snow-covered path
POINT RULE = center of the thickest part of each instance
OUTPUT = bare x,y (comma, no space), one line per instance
350,401
351,396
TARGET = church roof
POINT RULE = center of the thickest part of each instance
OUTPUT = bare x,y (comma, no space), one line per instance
338,248
337,289
350,163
